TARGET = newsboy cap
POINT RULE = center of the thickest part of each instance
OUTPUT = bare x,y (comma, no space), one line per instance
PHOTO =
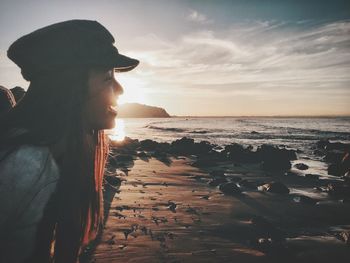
72,43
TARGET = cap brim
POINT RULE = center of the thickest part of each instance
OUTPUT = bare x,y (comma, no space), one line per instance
123,63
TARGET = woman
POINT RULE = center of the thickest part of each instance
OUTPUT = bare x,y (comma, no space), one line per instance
52,145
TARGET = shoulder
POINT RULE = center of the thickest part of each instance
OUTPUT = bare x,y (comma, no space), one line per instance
24,172
28,162
28,180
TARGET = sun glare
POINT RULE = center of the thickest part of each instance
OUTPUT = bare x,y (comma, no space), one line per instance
133,90
118,132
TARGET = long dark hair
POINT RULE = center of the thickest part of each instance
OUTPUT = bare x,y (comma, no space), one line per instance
52,114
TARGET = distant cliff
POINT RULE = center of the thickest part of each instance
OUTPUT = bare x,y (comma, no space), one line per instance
136,110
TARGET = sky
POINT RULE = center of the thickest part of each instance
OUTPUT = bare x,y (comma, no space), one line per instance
212,58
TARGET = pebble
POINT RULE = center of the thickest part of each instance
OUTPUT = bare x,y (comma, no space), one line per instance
274,187
229,189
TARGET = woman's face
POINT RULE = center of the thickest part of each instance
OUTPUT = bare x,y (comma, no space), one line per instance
103,92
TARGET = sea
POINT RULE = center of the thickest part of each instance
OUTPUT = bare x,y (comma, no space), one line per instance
298,133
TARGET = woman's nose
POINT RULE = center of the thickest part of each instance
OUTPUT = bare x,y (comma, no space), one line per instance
118,89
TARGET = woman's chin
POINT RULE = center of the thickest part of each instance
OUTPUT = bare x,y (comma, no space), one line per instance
110,125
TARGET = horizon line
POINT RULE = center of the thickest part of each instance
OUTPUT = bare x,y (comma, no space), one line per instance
260,116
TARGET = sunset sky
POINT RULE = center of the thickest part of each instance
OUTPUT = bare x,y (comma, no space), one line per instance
210,58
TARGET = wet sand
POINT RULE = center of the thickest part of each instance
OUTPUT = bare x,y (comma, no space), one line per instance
169,213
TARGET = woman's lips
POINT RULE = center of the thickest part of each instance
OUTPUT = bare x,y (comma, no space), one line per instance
113,109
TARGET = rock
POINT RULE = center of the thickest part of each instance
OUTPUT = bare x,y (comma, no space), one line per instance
159,154
209,159
340,168
149,145
290,173
126,144
217,173
234,149
274,187
346,177
338,190
113,180
183,146
203,147
218,148
334,156
229,189
218,156
233,178
172,206
266,229
339,159
120,160
204,162
142,155
184,141
247,184
267,151
124,158
254,132
264,244
312,176
337,146
281,165
321,144
269,245
345,164
261,223
237,153
111,241
319,152
301,166
302,199
217,181
275,159
334,169
163,147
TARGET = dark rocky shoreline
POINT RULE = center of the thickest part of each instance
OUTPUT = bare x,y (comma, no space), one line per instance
268,174
271,159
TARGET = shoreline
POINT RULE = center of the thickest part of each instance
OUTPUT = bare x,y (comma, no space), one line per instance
170,211
266,116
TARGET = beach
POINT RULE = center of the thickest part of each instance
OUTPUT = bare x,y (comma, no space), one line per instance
181,202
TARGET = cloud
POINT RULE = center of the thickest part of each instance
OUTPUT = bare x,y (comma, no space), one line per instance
264,61
197,17
256,53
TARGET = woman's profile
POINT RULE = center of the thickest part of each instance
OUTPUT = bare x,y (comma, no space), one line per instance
52,145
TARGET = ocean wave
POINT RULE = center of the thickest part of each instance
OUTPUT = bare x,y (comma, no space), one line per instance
265,136
298,130
253,129
165,128
199,132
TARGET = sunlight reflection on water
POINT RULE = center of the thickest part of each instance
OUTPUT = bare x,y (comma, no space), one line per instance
118,132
